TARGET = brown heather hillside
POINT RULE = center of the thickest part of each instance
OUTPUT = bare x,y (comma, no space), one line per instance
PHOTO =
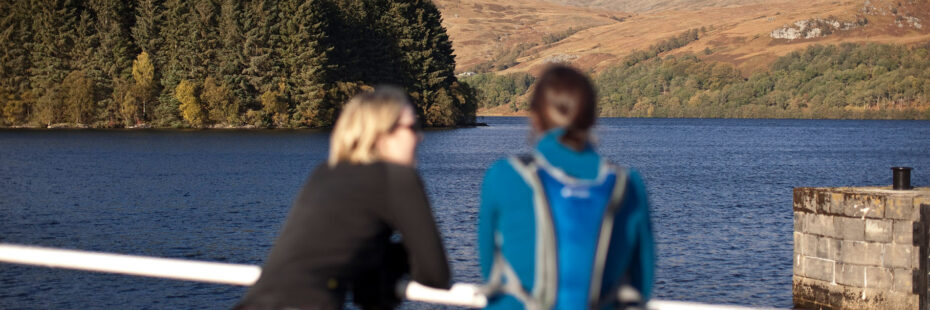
597,37
483,30
665,5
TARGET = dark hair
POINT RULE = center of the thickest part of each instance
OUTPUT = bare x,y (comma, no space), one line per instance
564,97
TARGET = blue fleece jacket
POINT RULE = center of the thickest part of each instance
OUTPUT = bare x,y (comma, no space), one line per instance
507,211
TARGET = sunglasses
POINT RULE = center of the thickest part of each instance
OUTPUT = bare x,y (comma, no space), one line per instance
415,127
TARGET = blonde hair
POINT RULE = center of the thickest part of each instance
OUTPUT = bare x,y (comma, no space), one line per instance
363,121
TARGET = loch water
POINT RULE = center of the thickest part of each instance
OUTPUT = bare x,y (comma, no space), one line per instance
720,191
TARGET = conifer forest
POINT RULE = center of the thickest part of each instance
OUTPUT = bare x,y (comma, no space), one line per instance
220,63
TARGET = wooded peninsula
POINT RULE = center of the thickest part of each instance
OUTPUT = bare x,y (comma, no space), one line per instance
228,63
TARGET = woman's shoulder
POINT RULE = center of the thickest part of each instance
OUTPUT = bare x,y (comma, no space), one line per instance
354,173
635,177
501,176
374,168
501,167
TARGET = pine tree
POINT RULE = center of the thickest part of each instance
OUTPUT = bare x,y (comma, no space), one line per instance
230,58
14,61
53,24
84,48
145,31
306,51
259,70
347,26
364,45
83,59
203,41
112,56
175,57
425,55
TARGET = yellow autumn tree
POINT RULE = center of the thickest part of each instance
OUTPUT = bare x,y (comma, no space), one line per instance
220,102
78,97
143,72
275,107
191,109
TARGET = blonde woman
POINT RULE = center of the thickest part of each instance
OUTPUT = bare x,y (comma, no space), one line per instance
337,237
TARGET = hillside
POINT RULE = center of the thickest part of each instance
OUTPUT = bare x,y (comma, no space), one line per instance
524,35
645,6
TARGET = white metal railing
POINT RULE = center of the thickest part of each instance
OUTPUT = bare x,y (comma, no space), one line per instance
461,294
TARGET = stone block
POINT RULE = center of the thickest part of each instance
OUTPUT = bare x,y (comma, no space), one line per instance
901,256
818,268
823,201
800,219
863,205
837,203
860,253
797,268
805,199
903,232
797,242
809,245
820,224
848,228
922,199
802,199
826,248
850,275
878,230
806,244
878,278
903,280
814,294
901,208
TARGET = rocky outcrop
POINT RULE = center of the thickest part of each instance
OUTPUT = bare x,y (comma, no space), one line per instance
910,21
560,58
905,12
815,28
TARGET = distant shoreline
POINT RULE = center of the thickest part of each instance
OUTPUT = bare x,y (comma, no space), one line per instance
70,127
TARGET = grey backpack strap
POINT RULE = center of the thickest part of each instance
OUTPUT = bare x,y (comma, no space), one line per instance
501,270
607,225
619,191
546,273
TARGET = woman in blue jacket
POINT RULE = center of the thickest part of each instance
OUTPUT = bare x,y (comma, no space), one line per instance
563,228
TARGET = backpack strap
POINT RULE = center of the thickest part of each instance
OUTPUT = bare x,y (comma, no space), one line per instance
616,203
543,292
502,269
524,159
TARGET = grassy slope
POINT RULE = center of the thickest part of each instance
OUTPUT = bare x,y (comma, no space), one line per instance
481,28
663,5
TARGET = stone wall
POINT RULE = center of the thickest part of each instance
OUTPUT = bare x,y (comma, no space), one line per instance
860,248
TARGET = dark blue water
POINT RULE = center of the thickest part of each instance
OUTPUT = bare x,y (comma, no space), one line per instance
721,194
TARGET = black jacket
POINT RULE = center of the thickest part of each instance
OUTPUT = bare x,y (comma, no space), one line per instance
337,238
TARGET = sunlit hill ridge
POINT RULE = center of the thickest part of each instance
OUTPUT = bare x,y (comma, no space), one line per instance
523,36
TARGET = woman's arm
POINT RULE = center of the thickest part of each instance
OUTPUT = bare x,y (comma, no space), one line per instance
409,212
487,220
642,267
